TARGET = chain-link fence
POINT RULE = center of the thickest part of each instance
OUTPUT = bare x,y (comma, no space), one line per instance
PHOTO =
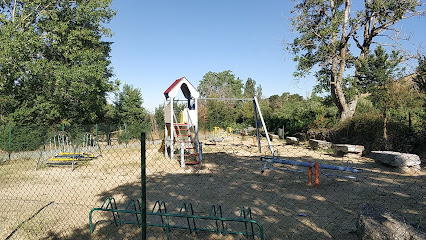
96,193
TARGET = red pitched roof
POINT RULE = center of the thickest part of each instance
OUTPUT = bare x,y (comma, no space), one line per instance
173,85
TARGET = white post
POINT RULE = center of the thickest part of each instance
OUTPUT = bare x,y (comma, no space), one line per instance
196,125
264,126
172,129
166,155
166,133
182,154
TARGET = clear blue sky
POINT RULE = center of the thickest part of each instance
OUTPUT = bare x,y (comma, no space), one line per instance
157,42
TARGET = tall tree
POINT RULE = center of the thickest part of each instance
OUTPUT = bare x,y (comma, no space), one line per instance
420,75
250,88
326,30
129,105
377,72
130,111
54,64
259,92
221,84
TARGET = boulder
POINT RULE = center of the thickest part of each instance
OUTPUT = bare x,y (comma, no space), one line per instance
403,161
342,149
272,137
291,140
376,223
315,144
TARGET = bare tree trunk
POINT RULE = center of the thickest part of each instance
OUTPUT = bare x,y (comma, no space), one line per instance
346,109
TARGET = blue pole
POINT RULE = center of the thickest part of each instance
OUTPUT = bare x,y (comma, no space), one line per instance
200,145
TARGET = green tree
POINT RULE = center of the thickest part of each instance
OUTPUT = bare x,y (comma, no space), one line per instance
377,71
54,65
159,117
220,85
130,110
129,105
420,75
327,29
250,88
259,91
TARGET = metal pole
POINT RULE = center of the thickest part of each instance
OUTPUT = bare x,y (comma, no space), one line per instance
143,184
264,126
257,126
63,140
172,129
182,154
149,130
125,129
10,140
97,134
200,145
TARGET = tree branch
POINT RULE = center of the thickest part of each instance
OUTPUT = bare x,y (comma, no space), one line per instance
13,13
5,4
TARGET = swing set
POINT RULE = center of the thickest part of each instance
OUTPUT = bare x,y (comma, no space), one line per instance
184,133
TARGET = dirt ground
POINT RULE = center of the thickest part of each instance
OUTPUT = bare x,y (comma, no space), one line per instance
54,202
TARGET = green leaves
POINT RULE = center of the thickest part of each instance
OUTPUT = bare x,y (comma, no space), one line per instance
54,67
420,77
221,84
327,29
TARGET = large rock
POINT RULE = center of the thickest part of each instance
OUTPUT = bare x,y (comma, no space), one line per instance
291,140
376,223
315,144
273,137
403,161
342,149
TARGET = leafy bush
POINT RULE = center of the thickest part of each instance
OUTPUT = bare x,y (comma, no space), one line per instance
367,130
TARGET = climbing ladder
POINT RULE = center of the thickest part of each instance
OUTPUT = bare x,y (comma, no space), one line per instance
188,141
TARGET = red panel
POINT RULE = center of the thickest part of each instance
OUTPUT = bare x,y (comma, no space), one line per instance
173,85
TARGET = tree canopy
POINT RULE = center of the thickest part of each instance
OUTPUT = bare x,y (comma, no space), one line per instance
54,64
327,30
221,84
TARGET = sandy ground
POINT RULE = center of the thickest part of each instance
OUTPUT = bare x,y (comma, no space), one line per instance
54,202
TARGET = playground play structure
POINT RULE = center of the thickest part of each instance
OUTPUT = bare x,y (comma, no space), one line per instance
213,222
59,150
184,133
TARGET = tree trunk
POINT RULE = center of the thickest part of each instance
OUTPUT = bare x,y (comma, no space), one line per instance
346,109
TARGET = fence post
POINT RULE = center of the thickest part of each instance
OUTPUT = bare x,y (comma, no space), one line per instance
125,130
97,140
143,184
149,130
63,133
10,139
